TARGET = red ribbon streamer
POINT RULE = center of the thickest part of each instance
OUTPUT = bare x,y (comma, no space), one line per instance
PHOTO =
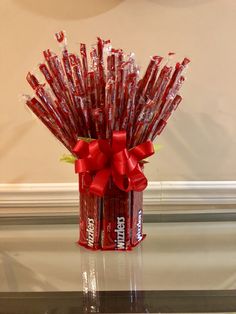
98,161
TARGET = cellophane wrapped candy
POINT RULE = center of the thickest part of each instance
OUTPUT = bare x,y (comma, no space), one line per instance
107,115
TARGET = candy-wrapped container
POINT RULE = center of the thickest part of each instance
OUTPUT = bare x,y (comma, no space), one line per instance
111,222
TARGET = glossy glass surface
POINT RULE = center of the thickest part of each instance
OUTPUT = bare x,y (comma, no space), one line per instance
190,259
174,256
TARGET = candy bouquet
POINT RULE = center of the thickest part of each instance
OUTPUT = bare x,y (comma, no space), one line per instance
107,117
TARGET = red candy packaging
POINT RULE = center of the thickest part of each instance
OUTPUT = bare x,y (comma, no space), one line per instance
90,216
97,105
137,218
116,219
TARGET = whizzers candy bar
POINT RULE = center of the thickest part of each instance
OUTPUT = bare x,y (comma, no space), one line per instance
137,218
90,217
116,219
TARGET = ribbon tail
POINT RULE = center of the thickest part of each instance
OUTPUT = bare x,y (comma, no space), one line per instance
100,181
118,141
138,179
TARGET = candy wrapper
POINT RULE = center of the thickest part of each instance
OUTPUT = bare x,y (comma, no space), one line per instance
90,218
116,219
100,108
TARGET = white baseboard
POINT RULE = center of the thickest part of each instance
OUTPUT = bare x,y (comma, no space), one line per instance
52,198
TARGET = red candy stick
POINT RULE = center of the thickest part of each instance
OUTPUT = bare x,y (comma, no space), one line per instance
83,53
40,112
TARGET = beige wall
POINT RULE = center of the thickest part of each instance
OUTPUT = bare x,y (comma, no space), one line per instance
199,142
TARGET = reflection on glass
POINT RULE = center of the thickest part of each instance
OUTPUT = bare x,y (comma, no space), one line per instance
123,271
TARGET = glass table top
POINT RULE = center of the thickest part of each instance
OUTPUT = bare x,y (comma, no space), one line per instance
178,268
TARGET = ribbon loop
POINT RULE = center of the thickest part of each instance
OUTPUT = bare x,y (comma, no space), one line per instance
83,165
81,149
118,141
99,158
143,150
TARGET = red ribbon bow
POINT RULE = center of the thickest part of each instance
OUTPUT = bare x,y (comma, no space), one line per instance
104,160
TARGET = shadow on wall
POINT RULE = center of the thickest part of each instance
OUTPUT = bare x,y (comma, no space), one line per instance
180,3
68,10
195,146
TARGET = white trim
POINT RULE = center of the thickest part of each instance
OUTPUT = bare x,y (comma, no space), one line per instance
62,198
38,195
191,193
